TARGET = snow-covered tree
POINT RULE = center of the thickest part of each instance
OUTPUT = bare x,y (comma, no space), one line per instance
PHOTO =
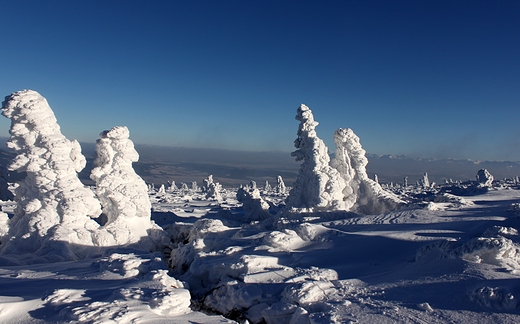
267,186
162,190
255,207
54,209
405,182
122,193
280,186
425,182
484,178
173,187
212,189
318,185
361,193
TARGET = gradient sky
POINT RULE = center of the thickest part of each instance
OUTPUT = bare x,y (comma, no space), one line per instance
421,78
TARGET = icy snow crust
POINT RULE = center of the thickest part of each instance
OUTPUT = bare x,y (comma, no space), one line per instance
351,254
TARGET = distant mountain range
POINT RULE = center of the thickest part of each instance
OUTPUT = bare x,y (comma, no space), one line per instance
160,164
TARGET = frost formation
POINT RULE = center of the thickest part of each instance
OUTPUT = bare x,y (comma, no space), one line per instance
53,206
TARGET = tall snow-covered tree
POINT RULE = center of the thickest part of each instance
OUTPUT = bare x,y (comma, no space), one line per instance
318,185
361,194
54,209
280,185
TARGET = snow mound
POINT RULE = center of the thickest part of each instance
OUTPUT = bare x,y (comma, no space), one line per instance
122,193
498,251
492,248
494,297
54,209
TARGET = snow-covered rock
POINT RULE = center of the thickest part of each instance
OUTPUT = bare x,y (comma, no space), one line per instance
54,209
318,185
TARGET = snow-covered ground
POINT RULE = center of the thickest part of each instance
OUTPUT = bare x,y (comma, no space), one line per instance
456,260
337,247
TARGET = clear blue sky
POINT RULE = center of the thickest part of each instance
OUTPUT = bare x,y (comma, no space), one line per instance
422,78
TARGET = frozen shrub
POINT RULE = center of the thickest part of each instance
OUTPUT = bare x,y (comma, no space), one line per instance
280,187
122,193
267,186
255,207
173,187
162,190
318,185
211,188
425,182
360,193
53,207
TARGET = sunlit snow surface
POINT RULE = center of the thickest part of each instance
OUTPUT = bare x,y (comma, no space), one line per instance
455,260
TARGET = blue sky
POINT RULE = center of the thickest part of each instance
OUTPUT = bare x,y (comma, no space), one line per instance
422,78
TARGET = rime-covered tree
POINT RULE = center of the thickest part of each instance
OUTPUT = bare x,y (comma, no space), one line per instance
484,178
212,189
361,194
425,181
122,193
54,209
280,185
255,207
318,186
